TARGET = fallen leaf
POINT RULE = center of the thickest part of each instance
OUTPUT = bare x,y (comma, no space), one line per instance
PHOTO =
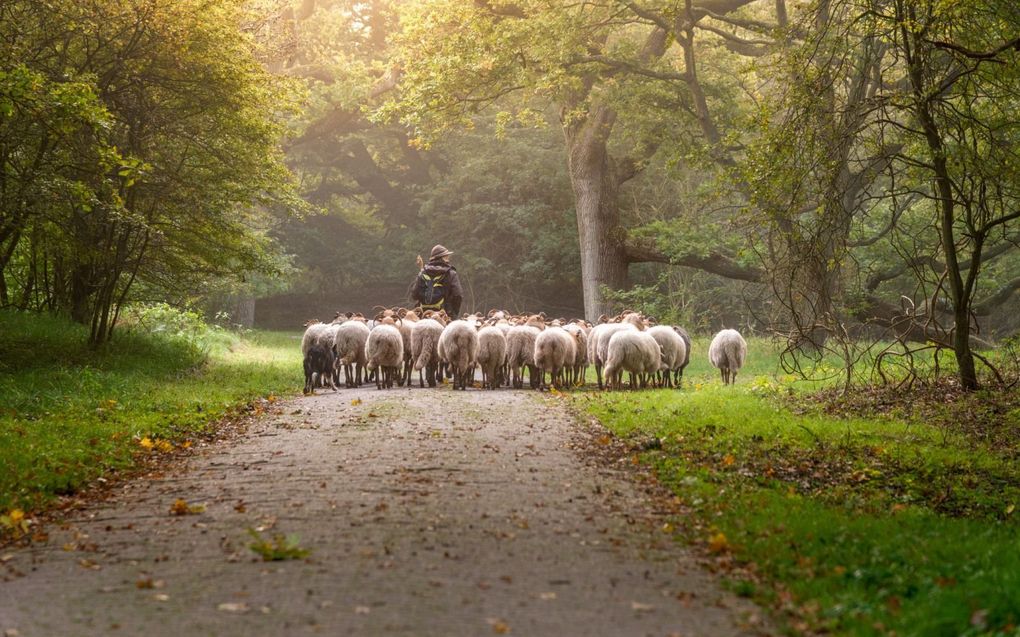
233,607
146,443
181,507
356,402
639,607
499,626
718,543
728,460
362,610
547,596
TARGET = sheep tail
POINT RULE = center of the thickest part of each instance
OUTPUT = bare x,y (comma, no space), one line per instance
424,358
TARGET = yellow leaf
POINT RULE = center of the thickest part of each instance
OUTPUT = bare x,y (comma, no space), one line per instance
1010,509
728,459
356,402
718,543
164,446
16,516
146,443
181,507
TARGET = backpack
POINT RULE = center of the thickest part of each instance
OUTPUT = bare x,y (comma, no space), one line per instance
431,290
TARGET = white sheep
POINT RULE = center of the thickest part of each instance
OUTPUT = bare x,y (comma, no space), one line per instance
598,345
554,351
491,355
458,346
349,345
674,352
632,351
520,343
424,349
385,353
727,352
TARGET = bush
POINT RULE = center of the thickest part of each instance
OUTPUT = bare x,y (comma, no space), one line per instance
187,325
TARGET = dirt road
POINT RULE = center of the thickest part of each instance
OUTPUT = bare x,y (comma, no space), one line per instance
426,513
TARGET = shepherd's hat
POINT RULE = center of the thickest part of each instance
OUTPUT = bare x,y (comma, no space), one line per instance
439,251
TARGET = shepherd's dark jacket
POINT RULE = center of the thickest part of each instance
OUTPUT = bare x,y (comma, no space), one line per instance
454,293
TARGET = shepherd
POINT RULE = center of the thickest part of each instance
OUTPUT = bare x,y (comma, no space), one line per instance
437,286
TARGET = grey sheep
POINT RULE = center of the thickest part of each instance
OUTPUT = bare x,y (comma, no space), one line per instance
579,367
727,352
458,346
424,349
635,352
491,355
385,352
313,330
678,374
520,343
349,345
554,351
674,352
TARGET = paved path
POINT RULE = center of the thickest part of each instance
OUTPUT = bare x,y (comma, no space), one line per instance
426,512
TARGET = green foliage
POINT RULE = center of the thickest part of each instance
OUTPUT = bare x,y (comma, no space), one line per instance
854,525
163,150
70,413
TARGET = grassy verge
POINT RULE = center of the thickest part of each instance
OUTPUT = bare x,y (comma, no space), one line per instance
852,525
70,414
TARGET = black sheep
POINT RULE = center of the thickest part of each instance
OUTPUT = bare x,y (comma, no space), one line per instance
321,360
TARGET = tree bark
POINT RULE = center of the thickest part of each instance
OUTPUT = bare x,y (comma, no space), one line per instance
596,194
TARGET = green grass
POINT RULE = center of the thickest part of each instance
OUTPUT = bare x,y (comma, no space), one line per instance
851,525
70,414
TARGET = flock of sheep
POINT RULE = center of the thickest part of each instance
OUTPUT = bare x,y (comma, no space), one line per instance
398,342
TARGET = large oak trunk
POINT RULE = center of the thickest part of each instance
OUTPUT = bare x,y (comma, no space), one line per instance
596,188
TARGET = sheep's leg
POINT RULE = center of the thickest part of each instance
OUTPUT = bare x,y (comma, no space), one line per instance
598,374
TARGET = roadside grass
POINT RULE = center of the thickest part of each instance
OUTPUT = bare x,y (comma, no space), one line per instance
70,414
847,524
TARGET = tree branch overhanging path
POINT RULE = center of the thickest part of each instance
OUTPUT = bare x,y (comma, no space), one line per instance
587,115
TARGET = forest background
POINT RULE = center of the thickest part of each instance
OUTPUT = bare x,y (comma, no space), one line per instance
830,172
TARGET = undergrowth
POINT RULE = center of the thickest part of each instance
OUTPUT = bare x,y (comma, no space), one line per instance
70,414
900,519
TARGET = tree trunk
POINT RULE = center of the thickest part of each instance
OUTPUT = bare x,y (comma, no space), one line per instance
596,189
244,311
960,294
